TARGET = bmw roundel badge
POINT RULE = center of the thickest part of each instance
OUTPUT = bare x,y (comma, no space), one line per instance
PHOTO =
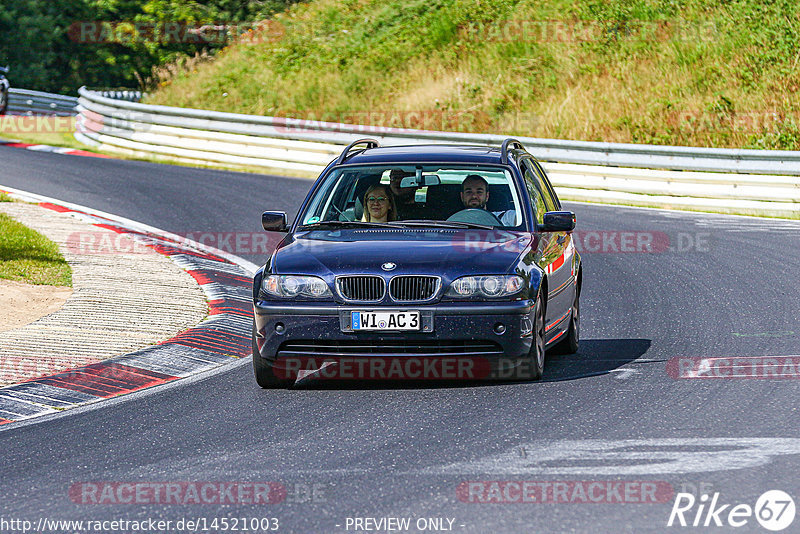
389,266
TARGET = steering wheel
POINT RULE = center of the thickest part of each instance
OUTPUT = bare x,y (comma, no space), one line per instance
475,216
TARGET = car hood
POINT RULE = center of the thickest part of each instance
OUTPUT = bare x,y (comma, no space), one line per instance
446,253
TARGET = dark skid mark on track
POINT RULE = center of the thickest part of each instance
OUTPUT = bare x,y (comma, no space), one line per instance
596,357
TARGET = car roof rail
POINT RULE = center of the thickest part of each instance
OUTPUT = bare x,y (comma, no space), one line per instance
510,142
371,143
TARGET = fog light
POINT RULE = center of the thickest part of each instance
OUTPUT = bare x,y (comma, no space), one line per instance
499,328
525,326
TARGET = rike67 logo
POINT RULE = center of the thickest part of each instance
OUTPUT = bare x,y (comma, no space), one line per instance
774,510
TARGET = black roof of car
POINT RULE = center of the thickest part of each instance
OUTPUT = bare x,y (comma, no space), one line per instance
426,154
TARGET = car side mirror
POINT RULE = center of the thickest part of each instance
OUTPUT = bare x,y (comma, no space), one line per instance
558,221
274,221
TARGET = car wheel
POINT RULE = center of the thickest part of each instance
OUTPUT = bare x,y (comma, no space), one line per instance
265,375
569,345
537,353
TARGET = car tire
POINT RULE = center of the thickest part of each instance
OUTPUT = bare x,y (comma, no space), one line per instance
569,345
3,102
538,353
265,375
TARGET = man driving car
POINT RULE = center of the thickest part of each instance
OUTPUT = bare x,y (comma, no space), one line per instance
475,195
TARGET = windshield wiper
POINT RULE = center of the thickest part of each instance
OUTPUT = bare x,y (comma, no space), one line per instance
445,224
348,224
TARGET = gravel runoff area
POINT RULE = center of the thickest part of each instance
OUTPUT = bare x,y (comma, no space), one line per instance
23,303
124,298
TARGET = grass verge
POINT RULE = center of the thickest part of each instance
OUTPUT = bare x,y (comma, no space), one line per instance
40,130
28,256
688,72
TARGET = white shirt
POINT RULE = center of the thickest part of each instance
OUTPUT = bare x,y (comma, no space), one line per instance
508,217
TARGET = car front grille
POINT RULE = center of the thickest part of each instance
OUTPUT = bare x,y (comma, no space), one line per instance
361,288
413,288
366,348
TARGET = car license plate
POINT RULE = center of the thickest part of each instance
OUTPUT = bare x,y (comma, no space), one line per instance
388,320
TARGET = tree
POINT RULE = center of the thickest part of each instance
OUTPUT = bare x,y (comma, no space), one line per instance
59,46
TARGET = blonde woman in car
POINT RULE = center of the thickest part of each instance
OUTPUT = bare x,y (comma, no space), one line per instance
379,205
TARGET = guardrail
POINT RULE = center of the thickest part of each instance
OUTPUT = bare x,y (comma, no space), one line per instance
129,95
27,102
762,182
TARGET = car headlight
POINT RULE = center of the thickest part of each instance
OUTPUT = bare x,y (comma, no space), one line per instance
485,286
287,286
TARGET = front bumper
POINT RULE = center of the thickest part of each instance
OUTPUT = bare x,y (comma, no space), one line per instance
462,340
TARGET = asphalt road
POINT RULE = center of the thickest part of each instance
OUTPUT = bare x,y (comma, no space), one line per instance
611,413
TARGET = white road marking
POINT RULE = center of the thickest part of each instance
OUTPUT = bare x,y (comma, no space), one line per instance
625,373
309,373
627,457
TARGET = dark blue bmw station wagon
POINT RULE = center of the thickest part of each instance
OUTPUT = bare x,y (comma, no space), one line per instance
419,262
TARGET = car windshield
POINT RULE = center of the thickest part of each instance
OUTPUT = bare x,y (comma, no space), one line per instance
456,196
